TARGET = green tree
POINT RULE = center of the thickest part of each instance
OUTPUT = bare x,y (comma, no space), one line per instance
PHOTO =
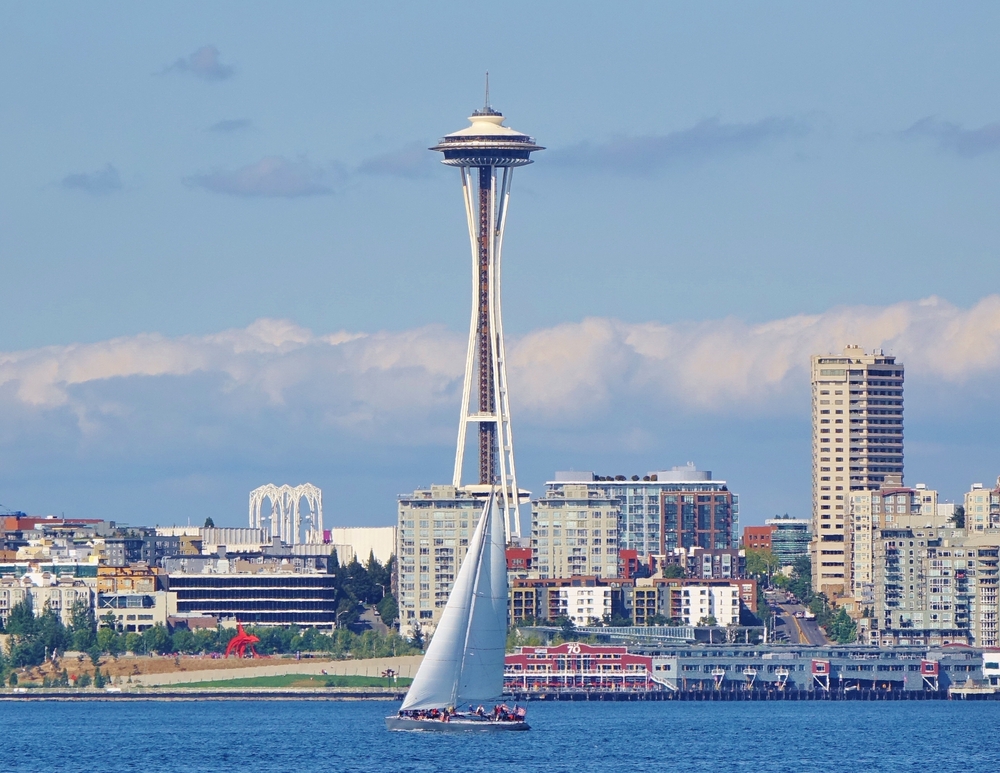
206,640
83,680
99,680
567,628
95,655
674,571
347,612
358,583
388,609
707,621
183,641
133,643
761,563
156,639
209,523
109,641
842,628
958,517
82,627
12,681
800,584
34,638
381,576
21,620
51,632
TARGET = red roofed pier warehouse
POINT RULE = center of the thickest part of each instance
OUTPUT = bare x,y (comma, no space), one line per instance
577,665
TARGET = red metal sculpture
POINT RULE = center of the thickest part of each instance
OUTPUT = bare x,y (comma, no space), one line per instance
239,643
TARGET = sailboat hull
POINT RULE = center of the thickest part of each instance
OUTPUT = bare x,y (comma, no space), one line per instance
458,725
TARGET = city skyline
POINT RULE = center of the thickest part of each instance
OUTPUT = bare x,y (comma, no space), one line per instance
208,294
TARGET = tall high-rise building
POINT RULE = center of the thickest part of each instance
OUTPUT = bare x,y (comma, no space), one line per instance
857,419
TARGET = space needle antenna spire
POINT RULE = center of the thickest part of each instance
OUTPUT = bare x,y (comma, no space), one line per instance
486,154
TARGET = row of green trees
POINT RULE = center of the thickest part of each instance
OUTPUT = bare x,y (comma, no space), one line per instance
37,639
762,564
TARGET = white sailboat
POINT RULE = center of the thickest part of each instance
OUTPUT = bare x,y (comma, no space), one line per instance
465,660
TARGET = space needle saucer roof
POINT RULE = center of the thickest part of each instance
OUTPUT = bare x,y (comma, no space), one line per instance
487,142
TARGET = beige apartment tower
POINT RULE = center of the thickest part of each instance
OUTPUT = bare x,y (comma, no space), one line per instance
575,532
857,440
432,539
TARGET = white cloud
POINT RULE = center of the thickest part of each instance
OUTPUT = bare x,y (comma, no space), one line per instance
955,138
370,384
707,139
106,180
273,177
725,365
205,63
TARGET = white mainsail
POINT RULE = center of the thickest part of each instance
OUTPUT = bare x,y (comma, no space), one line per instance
465,659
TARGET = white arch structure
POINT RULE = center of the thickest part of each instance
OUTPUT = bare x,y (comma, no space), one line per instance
286,514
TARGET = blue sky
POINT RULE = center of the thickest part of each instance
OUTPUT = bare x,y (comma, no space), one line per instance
717,174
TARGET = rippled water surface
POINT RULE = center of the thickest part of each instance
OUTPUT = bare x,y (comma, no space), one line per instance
317,736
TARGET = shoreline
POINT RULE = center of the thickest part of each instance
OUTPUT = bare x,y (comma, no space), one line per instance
208,694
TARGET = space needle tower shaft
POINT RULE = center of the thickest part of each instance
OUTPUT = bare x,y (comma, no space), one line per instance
486,153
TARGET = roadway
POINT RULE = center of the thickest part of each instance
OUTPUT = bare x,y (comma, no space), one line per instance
799,630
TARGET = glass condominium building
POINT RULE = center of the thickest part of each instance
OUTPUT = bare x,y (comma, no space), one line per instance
680,507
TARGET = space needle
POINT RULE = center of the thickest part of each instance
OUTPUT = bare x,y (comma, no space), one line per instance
486,153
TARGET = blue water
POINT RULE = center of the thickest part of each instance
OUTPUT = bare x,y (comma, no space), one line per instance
332,737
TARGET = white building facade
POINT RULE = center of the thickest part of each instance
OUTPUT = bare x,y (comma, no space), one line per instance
702,601
585,606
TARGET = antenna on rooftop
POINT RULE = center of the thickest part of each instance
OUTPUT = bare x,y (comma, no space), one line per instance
487,103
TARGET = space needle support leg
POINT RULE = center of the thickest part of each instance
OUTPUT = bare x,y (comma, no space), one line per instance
468,195
505,439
